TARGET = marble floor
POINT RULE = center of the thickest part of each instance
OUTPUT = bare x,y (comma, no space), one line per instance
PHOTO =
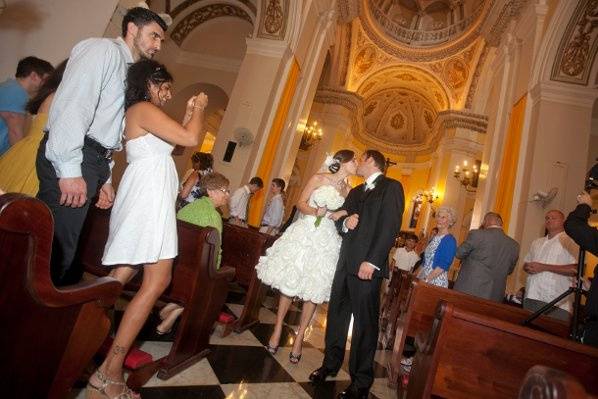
240,367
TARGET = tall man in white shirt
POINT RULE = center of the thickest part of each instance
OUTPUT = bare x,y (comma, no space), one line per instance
274,209
551,264
84,128
239,201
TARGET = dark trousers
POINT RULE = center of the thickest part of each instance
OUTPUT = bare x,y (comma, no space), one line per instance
350,295
591,326
68,221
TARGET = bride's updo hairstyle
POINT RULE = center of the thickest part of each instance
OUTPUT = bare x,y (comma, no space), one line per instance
139,77
342,156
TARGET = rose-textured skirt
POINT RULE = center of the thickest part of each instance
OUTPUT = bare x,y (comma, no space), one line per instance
302,262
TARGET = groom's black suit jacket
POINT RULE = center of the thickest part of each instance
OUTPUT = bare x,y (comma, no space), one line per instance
380,213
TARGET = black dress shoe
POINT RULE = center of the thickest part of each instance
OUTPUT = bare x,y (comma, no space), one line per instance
319,375
352,392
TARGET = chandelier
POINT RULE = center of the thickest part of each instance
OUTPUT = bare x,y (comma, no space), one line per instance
466,176
311,135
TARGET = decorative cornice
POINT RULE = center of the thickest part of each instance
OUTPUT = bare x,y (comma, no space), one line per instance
208,61
267,47
462,119
563,93
186,25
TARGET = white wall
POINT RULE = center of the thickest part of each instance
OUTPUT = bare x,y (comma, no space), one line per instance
48,29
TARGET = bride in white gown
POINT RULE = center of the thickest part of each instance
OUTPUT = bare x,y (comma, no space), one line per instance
302,262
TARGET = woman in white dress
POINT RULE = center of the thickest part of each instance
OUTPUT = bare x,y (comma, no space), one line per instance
142,223
302,262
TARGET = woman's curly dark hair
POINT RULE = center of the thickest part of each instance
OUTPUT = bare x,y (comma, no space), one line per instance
49,87
139,77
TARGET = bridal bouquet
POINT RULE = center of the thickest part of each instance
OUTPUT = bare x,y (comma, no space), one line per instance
327,196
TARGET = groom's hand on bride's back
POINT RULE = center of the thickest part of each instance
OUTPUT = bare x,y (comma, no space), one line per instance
352,221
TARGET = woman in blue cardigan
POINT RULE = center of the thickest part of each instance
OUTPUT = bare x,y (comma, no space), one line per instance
440,252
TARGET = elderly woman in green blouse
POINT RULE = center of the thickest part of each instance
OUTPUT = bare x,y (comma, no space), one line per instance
214,190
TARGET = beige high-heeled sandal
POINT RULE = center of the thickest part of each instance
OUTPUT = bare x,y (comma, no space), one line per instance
95,392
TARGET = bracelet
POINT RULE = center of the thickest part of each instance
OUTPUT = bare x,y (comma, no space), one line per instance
199,108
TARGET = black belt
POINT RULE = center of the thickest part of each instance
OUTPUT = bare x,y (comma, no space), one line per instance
100,149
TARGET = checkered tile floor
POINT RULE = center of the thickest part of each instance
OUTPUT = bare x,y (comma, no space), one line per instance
240,367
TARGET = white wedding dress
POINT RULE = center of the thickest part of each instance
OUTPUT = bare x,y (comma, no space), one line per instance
143,219
302,262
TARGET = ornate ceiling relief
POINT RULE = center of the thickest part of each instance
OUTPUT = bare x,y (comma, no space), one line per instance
188,3
203,14
273,21
578,47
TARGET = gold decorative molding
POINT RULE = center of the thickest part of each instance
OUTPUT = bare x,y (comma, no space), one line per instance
578,46
273,20
189,3
203,14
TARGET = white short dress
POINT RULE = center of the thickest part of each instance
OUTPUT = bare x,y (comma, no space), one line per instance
143,219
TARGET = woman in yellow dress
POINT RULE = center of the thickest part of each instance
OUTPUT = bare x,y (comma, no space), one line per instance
17,165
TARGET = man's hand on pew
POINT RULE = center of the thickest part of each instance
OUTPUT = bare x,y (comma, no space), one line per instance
106,197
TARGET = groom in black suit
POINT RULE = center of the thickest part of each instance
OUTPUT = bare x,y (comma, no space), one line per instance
374,215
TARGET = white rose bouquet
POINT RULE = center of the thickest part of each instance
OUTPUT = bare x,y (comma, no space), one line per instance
328,197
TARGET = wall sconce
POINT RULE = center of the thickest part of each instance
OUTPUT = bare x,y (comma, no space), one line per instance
429,196
311,135
468,178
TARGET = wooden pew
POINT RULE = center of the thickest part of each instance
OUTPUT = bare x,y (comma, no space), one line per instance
421,307
241,249
543,382
472,355
48,335
196,284
395,303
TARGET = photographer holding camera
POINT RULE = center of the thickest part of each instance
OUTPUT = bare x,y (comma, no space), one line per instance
586,237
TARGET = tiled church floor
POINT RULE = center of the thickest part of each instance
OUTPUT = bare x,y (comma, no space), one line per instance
240,367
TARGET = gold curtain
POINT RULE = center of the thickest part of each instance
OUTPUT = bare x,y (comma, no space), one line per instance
270,150
508,165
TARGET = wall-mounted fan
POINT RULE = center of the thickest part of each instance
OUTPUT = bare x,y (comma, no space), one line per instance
544,198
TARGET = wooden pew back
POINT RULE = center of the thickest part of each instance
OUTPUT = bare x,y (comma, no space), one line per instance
241,250
49,334
421,307
468,354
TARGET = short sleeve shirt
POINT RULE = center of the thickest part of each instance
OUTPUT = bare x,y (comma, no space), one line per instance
13,98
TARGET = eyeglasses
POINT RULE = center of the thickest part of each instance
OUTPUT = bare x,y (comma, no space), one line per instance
225,190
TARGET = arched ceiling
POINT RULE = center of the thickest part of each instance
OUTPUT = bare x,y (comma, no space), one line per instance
400,106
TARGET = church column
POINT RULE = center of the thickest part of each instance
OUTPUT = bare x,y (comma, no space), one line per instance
463,134
499,109
553,154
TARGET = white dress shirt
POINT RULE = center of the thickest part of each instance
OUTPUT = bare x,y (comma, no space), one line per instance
274,212
89,102
545,286
238,203
405,260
